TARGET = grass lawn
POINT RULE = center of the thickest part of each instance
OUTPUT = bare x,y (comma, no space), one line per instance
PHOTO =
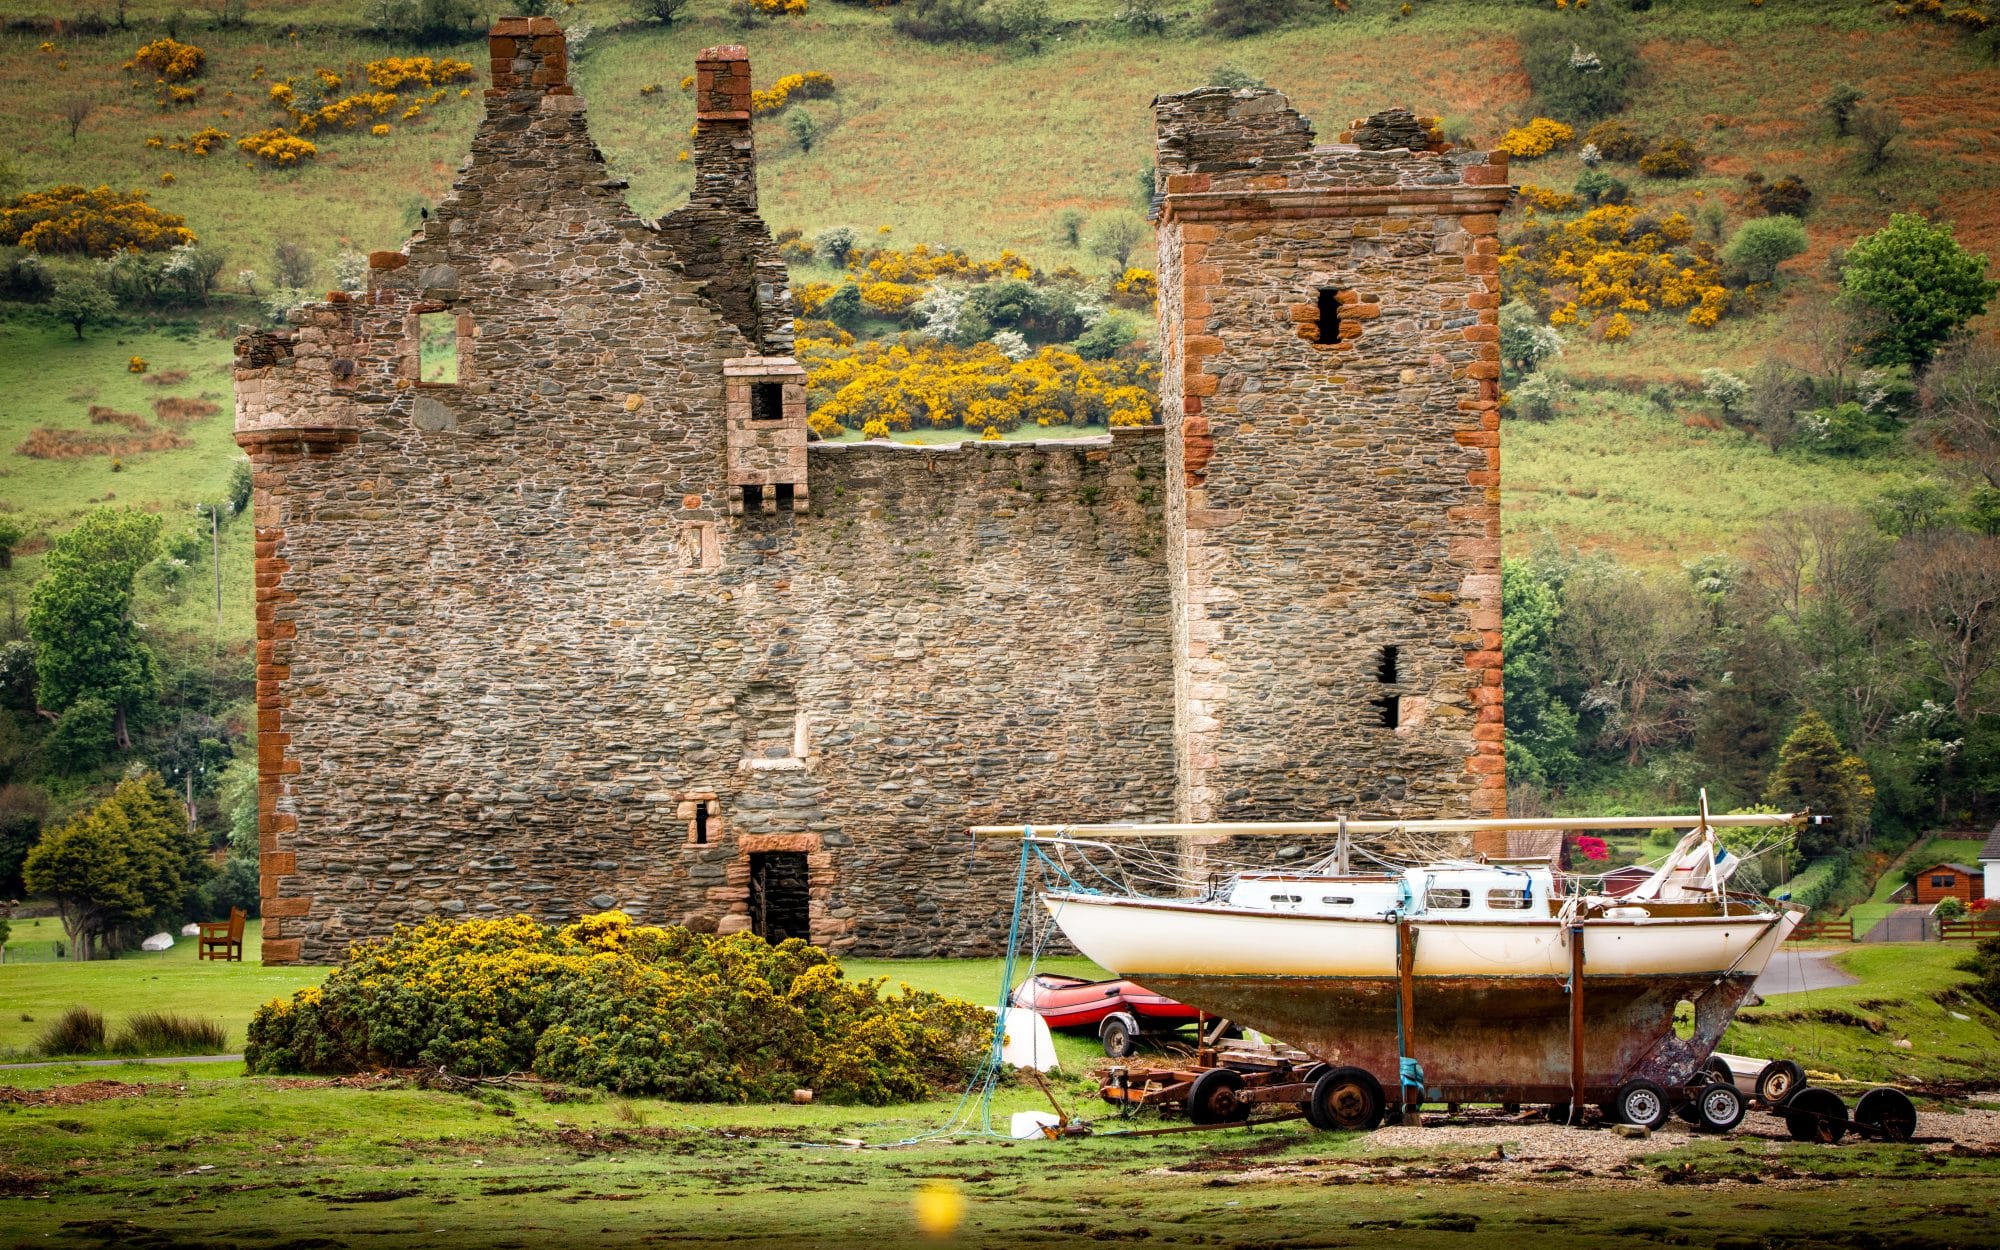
1913,992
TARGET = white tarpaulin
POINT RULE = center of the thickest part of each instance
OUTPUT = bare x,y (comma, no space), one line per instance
1028,1043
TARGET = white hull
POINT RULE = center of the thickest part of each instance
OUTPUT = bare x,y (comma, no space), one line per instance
1139,938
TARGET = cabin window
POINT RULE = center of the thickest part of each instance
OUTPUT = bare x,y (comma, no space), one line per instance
1447,899
1507,900
1287,898
1328,330
1336,900
437,347
767,401
1944,882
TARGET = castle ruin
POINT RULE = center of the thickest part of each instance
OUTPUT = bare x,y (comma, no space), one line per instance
560,609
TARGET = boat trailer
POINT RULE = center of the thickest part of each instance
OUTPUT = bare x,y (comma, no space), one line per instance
1218,1087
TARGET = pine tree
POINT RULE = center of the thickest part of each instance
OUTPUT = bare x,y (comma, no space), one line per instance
1815,772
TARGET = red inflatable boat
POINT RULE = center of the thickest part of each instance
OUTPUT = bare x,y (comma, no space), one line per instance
1120,1012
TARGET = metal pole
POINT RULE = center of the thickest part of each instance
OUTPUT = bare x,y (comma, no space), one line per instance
1576,1022
1406,1006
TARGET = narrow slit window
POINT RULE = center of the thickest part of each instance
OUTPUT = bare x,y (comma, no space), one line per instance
699,834
767,401
1329,315
753,499
1337,900
1390,710
1386,670
786,491
437,347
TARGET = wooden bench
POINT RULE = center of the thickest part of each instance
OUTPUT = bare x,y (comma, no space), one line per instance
222,939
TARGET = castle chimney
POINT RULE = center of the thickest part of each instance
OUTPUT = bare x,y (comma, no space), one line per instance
725,153
530,60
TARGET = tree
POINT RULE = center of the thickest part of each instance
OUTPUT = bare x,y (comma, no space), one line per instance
1069,227
1964,391
81,299
293,264
11,534
1636,644
1725,390
804,130
194,268
835,246
1541,728
76,110
1918,286
1030,22
1815,772
79,616
1760,245
129,859
1525,339
1916,508
1879,129
1776,396
1947,588
1838,105
665,12
1115,237
23,808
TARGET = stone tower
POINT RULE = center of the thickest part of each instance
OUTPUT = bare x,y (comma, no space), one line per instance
1330,340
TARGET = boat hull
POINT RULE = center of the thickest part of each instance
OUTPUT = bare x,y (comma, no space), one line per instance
1490,1003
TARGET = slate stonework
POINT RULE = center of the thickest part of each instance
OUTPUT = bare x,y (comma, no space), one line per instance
524,645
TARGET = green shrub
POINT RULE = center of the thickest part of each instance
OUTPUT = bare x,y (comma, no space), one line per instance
1985,965
1789,195
1816,882
1615,141
629,1008
165,1033
77,1031
1595,187
1234,19
947,21
1672,158
1103,340
1580,65
1760,245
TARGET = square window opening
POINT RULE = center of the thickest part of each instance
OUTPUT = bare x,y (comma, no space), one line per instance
1329,316
786,492
753,498
767,401
437,347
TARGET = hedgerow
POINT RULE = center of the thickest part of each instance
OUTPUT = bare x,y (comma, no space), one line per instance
632,1008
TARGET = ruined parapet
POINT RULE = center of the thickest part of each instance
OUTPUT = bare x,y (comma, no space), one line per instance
721,241
1331,387
764,402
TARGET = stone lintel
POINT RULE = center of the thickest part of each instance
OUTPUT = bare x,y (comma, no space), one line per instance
748,844
1327,202
302,440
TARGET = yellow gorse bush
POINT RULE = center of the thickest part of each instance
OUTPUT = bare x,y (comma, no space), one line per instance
278,147
811,85
923,383
1539,137
206,140
1615,259
71,220
169,59
395,72
635,1008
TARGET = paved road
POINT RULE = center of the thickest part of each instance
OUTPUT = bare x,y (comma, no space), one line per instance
1791,972
1905,924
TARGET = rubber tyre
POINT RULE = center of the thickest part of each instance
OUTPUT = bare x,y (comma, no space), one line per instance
1887,1114
1719,1107
1642,1103
1119,1034
1559,1113
1815,1114
1346,1100
1780,1079
1719,1071
1212,1098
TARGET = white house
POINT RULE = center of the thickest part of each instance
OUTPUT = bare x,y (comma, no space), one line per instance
1989,861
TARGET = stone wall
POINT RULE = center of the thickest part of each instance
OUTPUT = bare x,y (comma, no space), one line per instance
1333,490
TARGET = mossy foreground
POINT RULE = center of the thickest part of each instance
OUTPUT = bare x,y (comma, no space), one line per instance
241,1161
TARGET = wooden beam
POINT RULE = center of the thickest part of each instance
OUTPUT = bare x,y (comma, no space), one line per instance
1296,828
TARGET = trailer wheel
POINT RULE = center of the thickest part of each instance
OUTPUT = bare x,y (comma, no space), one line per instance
1120,1035
1212,1098
1815,1114
1719,1071
1779,1080
1641,1103
1345,1099
1888,1114
1719,1108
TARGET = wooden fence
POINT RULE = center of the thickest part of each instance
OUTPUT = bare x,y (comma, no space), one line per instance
1969,928
1824,930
